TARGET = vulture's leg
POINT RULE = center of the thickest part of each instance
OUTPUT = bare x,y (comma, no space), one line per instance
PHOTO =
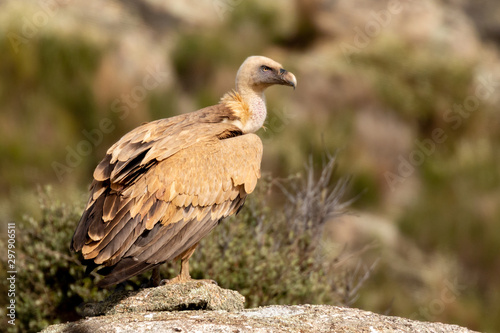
184,276
155,280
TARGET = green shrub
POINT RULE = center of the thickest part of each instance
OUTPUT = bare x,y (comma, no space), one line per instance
50,282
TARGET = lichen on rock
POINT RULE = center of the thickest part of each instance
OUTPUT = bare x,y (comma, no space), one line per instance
194,295
276,318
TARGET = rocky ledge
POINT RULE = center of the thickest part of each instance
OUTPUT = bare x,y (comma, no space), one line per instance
205,307
195,295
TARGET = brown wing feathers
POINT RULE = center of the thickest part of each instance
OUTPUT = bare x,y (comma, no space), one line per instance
159,252
162,188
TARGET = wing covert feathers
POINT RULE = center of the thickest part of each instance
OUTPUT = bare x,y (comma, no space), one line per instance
163,187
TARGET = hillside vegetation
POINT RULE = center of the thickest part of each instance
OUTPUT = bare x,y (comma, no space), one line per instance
406,93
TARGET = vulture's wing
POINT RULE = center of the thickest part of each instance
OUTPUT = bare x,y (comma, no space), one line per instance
164,200
132,156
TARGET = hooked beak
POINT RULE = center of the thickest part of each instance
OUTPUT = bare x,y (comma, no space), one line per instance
288,79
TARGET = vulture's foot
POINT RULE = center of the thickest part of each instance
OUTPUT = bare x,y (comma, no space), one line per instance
182,279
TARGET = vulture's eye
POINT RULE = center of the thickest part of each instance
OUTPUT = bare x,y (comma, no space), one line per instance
264,68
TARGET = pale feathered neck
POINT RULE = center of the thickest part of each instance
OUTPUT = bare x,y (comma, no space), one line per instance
249,109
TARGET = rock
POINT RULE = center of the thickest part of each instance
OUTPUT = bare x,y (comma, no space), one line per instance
277,318
195,295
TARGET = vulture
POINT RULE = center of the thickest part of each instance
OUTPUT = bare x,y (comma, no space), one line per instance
166,184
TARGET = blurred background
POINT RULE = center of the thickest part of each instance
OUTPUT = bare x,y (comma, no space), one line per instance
405,91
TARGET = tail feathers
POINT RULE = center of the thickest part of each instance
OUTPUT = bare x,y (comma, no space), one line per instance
123,270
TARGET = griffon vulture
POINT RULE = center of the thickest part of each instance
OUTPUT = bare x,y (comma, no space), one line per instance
166,184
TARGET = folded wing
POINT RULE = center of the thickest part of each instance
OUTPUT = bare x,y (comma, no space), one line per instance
161,189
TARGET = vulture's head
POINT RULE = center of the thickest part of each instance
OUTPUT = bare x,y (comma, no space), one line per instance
258,72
